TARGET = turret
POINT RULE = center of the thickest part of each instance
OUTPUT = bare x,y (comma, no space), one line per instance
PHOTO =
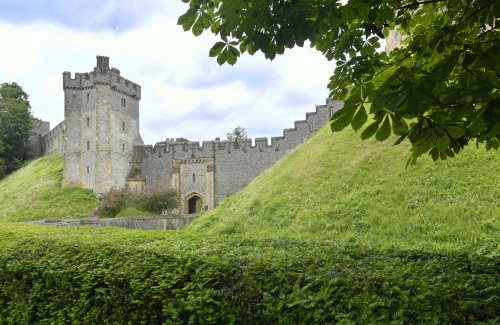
102,127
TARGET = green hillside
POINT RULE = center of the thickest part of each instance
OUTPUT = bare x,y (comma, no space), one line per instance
35,192
337,187
337,232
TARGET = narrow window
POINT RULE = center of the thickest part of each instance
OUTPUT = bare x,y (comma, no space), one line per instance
88,98
194,177
123,125
124,102
88,121
123,146
311,127
88,169
88,145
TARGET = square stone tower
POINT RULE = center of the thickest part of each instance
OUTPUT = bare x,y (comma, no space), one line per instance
101,123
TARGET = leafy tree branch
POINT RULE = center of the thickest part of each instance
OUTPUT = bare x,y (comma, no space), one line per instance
439,90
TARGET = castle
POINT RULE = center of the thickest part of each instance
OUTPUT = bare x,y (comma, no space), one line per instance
103,149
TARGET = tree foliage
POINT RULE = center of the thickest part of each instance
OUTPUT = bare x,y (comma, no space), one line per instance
237,134
15,127
151,200
158,200
440,90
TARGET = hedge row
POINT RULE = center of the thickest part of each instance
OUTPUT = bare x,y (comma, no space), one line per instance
116,276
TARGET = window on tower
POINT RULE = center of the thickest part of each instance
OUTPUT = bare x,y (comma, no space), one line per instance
124,102
88,145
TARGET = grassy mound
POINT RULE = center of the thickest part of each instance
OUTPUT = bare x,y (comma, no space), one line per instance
34,192
337,187
338,231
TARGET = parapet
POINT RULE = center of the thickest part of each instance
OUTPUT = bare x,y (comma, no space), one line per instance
105,75
291,137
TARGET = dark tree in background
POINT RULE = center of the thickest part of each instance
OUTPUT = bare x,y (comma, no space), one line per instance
15,127
440,90
237,134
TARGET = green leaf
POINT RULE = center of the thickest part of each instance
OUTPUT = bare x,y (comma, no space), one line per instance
251,49
198,28
370,130
399,125
398,101
359,118
385,130
216,49
232,54
435,154
222,57
187,20
454,130
339,122
442,143
385,13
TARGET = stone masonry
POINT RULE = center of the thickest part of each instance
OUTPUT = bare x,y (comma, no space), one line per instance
103,149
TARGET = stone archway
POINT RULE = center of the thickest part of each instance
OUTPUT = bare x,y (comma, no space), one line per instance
194,204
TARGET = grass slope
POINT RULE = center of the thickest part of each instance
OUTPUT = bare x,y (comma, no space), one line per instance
337,187
35,192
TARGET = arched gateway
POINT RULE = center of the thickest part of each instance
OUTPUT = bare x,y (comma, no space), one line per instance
194,204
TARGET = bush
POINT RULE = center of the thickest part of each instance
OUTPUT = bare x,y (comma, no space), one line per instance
157,200
111,203
151,200
117,276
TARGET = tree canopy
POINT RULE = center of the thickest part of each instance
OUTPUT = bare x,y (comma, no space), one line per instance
439,90
15,127
237,134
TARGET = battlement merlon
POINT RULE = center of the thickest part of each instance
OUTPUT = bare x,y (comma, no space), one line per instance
103,74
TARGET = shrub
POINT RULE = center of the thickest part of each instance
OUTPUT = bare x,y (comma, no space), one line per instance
50,275
151,200
157,200
111,203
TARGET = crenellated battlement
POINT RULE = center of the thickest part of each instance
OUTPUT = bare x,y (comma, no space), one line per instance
103,74
291,137
103,149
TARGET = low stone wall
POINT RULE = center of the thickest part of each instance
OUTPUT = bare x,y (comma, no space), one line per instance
146,223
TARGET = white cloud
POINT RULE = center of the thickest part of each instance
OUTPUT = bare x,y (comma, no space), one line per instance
167,62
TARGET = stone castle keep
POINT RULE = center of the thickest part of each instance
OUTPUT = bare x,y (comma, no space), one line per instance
103,149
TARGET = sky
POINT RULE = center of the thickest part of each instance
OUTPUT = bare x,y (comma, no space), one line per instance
185,93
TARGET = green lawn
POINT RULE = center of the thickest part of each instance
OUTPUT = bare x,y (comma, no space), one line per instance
35,192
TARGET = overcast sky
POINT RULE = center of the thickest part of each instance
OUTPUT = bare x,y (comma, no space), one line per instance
184,92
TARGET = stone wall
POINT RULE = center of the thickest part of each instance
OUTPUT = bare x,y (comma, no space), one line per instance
229,165
238,164
170,222
38,131
53,142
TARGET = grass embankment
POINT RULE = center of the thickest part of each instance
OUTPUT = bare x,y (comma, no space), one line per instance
35,192
337,187
337,231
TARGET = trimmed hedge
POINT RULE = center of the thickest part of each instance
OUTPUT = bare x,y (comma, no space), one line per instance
69,275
